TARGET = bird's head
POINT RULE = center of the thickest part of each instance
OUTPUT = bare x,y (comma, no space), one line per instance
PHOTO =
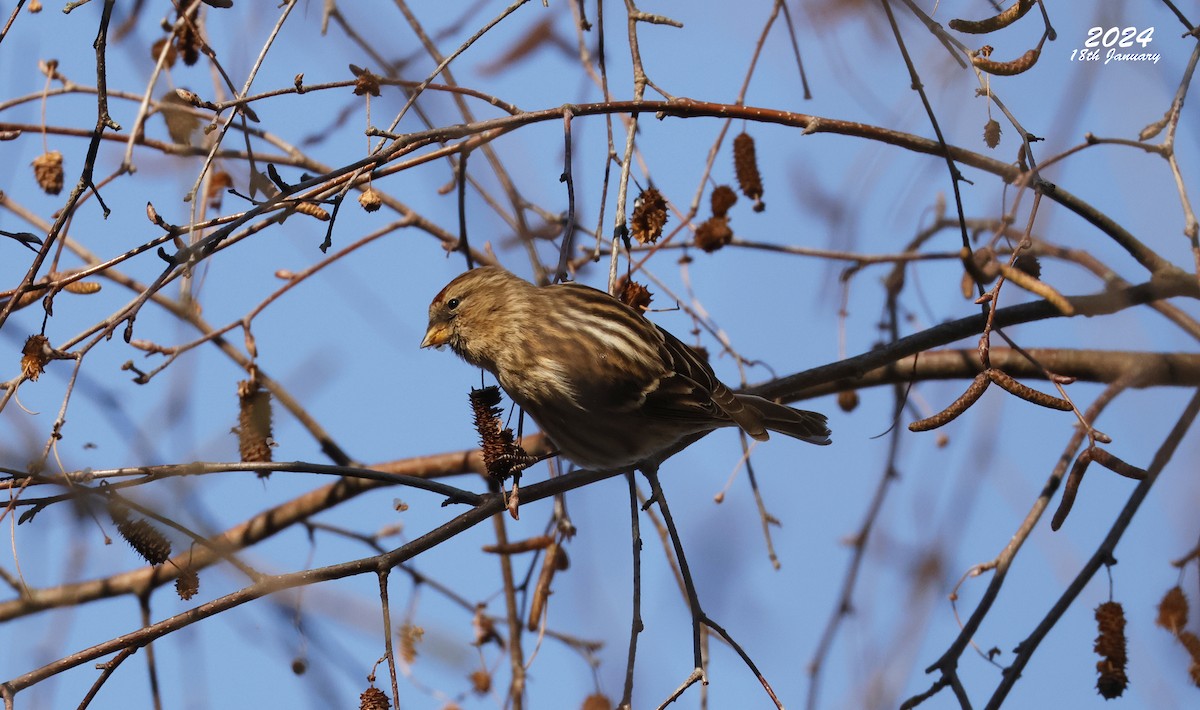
470,311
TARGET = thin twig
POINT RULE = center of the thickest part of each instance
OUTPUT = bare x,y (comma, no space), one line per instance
636,625
516,657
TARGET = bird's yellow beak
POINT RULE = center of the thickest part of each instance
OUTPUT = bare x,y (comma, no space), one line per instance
437,335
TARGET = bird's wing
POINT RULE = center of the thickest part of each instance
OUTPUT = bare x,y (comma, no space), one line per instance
610,357
690,390
639,367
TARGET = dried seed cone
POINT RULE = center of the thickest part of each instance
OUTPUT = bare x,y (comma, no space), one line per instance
485,628
649,216
82,287
156,51
1112,681
188,42
634,294
1015,12
254,422
502,458
410,636
187,584
1173,610
1192,643
485,403
486,413
847,400
745,164
1029,264
370,200
373,699
481,681
217,185
48,171
34,356
312,209
28,297
722,199
513,459
365,83
146,540
596,701
1021,64
991,133
713,233
1110,645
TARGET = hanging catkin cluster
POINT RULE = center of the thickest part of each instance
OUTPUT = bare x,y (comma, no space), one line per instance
373,699
991,133
745,164
1173,616
714,232
254,422
34,356
144,538
48,171
187,584
649,216
502,457
1110,646
634,294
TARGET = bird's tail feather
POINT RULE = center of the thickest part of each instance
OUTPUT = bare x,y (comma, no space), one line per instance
796,423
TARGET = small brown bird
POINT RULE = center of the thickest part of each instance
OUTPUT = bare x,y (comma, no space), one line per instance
608,387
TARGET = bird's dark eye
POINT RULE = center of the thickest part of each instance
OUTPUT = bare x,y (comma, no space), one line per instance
453,303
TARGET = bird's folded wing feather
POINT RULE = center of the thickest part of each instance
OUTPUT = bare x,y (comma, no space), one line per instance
691,390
